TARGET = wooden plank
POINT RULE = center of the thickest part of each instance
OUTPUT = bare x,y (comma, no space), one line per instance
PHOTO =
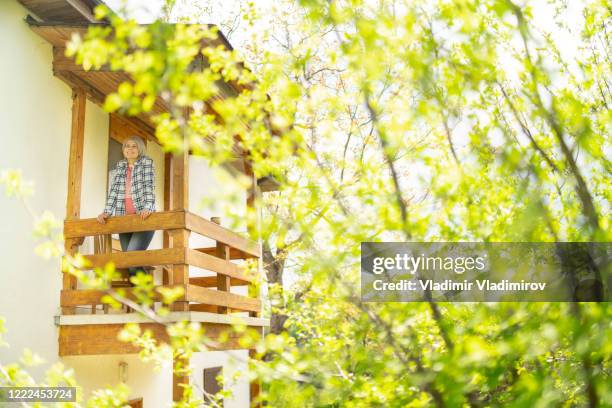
179,241
75,160
68,11
167,194
94,297
61,62
135,403
197,307
128,259
180,238
223,280
98,97
83,9
90,339
69,282
93,339
214,264
234,253
74,81
211,281
211,230
75,174
120,128
213,297
126,223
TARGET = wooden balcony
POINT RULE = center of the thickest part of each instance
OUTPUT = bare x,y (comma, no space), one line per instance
205,299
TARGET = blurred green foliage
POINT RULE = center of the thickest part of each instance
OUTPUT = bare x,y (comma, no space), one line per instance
448,120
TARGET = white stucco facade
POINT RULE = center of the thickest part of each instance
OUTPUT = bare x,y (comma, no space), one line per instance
35,112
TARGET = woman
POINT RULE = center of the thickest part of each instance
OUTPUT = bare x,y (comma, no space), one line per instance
132,191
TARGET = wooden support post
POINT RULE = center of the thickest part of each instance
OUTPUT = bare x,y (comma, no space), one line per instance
167,207
180,379
180,238
75,173
223,281
180,181
167,192
180,272
75,160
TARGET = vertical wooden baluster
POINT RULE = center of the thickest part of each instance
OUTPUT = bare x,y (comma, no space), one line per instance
223,282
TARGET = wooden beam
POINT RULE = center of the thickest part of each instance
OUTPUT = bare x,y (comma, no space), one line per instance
234,253
90,339
83,9
179,238
167,206
69,282
73,80
126,223
216,232
213,297
97,97
63,63
196,307
215,264
179,241
168,191
120,128
223,280
94,297
211,281
75,159
75,174
95,339
129,259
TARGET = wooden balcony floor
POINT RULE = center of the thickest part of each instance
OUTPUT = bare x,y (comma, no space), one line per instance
86,334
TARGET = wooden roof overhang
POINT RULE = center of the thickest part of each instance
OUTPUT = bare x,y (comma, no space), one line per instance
67,11
102,82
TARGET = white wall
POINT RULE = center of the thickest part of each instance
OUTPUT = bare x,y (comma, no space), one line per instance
35,112
212,194
154,387
155,152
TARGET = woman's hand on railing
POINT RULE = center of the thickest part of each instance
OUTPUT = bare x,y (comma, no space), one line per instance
144,214
102,218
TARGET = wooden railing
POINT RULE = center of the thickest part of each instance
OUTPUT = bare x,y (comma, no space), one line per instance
176,258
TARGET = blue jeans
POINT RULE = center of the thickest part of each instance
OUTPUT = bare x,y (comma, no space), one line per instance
135,241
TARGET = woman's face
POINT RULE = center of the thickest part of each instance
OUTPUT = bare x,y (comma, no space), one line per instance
130,150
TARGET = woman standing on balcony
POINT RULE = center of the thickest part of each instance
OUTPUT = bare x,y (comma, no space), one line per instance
132,191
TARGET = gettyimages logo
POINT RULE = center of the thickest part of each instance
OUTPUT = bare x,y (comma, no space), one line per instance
491,272
413,264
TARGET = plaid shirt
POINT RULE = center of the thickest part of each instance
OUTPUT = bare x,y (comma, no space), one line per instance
143,187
